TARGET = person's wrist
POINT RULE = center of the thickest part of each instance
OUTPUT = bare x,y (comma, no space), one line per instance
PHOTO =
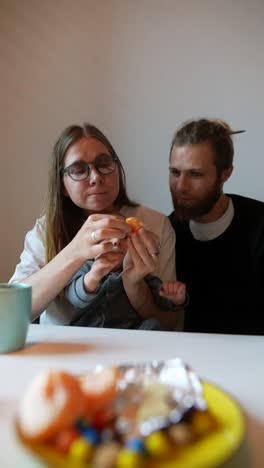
75,252
91,283
92,286
133,280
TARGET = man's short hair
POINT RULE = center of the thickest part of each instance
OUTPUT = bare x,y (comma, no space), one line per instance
216,132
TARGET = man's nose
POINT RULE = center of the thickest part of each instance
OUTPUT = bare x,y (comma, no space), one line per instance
183,183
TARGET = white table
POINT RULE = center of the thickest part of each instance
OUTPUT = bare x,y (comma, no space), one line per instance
234,363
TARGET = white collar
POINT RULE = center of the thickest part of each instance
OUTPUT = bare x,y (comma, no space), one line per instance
209,231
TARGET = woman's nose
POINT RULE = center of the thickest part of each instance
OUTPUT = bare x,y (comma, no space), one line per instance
94,176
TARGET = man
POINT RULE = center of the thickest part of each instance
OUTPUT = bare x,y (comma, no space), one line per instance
219,237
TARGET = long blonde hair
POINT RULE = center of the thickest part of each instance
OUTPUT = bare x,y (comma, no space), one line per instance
63,217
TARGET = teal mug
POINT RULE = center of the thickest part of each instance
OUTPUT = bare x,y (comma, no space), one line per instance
15,313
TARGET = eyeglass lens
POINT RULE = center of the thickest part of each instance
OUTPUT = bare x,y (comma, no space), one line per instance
104,164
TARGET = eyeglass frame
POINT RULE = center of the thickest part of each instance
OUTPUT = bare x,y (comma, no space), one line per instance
65,170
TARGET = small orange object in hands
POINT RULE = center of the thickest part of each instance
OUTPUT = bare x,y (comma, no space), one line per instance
134,223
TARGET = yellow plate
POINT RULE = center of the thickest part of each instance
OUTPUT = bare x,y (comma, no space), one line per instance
216,448
210,452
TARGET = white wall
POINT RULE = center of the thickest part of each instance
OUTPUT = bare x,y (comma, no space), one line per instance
135,68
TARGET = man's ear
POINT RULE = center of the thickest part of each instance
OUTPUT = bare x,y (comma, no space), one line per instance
226,174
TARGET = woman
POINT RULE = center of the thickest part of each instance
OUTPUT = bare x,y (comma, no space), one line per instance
86,193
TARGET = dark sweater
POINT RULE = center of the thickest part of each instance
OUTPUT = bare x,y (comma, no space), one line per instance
225,276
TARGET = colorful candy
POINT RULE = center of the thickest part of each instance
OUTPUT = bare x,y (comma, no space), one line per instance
202,423
158,444
91,435
136,445
129,459
81,450
106,455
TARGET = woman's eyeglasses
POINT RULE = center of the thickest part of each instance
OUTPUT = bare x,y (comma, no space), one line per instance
80,170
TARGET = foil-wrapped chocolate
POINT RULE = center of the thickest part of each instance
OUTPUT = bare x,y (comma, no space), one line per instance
155,395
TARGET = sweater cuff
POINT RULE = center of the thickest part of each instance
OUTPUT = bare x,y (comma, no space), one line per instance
82,294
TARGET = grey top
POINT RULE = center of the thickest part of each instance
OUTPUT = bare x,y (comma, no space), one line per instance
109,305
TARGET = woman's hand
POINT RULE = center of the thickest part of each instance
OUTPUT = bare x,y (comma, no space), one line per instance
141,259
91,240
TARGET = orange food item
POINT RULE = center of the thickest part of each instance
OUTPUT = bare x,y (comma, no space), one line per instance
52,403
134,223
99,389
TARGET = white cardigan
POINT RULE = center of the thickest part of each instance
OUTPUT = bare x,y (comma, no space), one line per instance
32,259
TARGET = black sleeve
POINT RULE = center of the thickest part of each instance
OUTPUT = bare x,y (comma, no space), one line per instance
155,285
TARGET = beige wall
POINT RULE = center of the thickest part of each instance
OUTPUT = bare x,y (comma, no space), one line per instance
137,69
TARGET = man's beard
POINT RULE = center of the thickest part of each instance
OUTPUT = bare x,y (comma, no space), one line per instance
197,208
